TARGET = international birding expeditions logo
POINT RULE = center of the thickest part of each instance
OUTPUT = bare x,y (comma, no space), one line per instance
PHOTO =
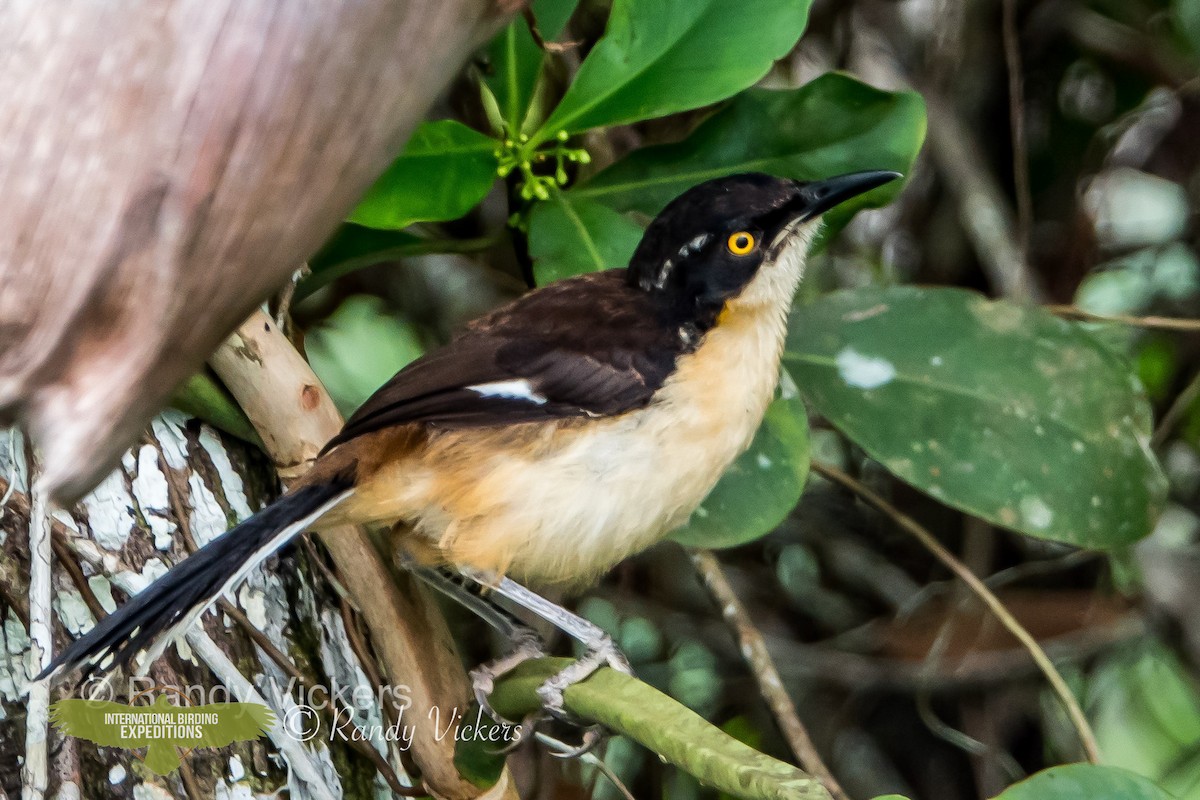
169,731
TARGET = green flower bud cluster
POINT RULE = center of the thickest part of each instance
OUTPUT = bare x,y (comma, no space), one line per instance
518,155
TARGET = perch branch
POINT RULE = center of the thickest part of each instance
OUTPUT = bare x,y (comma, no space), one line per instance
1086,737
647,716
294,417
766,674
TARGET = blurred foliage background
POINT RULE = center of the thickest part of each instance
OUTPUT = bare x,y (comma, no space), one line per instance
1039,412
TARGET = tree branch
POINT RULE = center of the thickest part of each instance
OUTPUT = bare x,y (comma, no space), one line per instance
1086,737
629,707
294,417
762,666
35,774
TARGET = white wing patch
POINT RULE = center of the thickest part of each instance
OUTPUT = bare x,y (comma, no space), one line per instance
519,389
694,245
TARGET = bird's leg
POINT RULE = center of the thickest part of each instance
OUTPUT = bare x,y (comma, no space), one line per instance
524,643
600,649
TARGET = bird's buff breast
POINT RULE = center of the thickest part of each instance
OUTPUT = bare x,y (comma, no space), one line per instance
562,502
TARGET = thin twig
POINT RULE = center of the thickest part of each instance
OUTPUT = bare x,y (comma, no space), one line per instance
983,210
294,416
35,774
1157,323
1016,111
335,583
1084,730
191,787
63,552
1180,406
301,762
766,674
66,558
591,759
340,711
535,32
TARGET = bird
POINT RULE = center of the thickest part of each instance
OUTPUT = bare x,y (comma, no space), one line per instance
551,438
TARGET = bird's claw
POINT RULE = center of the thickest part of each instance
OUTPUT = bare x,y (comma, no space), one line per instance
602,653
527,645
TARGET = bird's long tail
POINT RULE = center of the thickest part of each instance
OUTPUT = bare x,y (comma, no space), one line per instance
143,626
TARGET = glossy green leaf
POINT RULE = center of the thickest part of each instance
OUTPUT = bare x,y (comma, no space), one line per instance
203,397
830,126
1187,20
1004,411
353,247
1084,782
445,170
1146,714
570,237
761,488
359,348
516,60
658,57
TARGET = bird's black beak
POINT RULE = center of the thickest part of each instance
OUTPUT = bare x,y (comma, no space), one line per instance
817,197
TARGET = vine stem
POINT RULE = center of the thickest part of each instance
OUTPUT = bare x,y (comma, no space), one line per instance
1160,323
762,666
1084,730
678,735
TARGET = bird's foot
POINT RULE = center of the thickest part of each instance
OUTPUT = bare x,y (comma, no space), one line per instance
602,652
526,646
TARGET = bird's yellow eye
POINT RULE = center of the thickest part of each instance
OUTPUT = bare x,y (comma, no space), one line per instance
740,243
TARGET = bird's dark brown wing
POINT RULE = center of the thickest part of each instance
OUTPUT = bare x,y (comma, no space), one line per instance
586,346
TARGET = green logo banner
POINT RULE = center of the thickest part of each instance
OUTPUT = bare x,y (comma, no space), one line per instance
161,727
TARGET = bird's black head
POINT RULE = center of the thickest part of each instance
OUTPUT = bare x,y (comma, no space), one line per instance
712,241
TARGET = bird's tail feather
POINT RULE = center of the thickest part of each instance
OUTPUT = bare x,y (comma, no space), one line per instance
143,626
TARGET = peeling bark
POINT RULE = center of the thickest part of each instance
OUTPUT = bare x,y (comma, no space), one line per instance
179,487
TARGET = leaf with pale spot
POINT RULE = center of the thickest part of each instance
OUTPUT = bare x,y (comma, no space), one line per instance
1001,410
761,488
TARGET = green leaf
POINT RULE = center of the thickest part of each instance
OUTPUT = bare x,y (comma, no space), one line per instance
445,170
1187,20
353,247
479,752
1084,782
1001,410
570,237
1146,714
516,60
203,397
830,126
359,348
658,57
761,488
